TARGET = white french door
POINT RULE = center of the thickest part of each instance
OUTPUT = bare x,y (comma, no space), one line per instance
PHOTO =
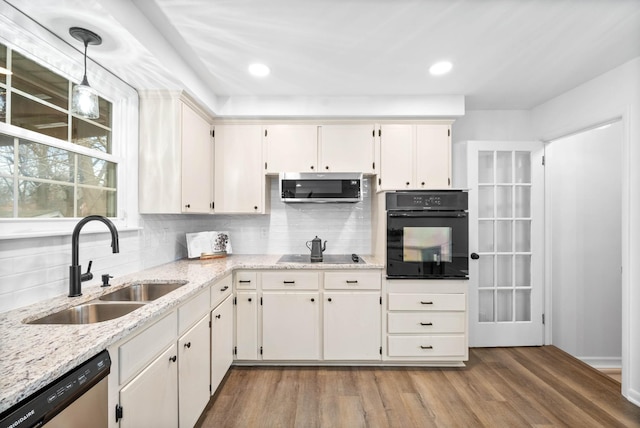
506,233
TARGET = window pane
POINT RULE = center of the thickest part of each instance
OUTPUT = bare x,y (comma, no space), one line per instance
96,172
44,200
38,81
88,135
49,163
6,197
96,202
7,160
105,112
37,117
3,62
3,105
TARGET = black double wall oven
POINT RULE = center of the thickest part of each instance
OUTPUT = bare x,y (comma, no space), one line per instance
427,234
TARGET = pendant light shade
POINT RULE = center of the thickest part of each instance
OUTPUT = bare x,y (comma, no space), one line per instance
84,99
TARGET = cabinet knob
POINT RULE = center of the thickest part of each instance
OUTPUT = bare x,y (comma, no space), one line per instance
407,183
329,299
249,299
326,167
187,345
313,300
188,206
312,167
173,359
422,183
218,316
255,207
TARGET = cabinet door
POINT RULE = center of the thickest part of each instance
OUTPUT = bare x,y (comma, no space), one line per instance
197,162
291,148
352,326
246,326
396,162
151,398
193,370
221,341
433,156
347,148
239,172
290,326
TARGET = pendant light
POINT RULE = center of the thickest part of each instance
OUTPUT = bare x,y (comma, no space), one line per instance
84,99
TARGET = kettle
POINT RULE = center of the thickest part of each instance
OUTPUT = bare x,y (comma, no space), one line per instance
316,249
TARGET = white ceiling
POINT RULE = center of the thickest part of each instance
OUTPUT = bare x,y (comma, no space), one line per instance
507,54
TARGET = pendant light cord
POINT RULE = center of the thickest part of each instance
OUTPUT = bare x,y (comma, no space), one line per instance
84,78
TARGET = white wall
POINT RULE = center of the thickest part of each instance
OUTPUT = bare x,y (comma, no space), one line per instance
583,183
614,94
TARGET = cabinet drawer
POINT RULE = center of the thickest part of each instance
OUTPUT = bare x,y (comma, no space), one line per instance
426,322
295,280
427,346
246,280
139,351
221,290
427,302
352,280
192,311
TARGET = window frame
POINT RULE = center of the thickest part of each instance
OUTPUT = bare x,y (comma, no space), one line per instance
46,49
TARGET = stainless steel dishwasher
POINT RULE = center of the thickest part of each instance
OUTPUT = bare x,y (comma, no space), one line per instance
76,399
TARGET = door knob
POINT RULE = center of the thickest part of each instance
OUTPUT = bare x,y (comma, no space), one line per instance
475,256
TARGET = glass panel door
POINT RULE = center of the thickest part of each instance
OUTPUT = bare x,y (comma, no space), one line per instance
506,193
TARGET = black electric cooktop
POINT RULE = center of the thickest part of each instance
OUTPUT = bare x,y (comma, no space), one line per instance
339,259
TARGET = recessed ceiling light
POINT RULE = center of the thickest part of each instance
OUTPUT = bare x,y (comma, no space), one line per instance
259,70
440,68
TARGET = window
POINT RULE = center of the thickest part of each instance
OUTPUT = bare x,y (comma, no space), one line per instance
52,163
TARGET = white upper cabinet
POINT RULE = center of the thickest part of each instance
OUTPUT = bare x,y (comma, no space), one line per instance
239,173
175,155
197,165
415,156
290,148
347,148
433,156
396,160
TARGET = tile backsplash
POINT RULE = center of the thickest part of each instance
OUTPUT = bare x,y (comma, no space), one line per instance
34,269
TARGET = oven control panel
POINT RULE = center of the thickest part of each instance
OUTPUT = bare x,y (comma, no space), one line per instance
454,200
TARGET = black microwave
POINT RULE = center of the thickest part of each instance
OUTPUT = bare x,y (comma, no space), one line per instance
321,187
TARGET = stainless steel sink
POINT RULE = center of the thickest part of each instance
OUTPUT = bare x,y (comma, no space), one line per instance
88,313
143,292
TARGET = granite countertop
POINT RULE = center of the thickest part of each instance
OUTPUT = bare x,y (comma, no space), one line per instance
31,356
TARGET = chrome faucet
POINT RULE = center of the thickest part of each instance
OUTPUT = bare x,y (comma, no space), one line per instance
75,270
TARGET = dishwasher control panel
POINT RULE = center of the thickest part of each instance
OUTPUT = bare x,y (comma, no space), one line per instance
44,404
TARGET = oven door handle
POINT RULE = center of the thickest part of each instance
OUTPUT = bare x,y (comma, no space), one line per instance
428,214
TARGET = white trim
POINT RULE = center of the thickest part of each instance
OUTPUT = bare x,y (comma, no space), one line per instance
602,362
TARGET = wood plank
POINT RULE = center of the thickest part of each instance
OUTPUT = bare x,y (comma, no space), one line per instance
514,387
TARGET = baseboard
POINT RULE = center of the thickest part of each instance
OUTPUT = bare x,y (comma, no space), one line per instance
633,396
601,363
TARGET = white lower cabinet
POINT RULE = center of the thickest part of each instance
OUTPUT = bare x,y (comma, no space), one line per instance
351,325
246,325
151,398
221,341
290,325
426,321
193,370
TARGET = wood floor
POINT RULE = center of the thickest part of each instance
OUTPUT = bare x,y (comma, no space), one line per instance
500,387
